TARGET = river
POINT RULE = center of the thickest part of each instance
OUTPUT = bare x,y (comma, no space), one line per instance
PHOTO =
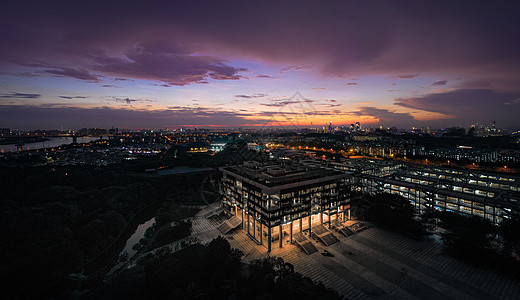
136,237
129,250
133,232
50,143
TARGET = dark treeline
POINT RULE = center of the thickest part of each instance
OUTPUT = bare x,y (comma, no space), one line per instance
469,238
213,271
476,240
387,210
55,219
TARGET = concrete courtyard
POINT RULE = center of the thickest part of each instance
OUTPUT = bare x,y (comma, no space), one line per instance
379,264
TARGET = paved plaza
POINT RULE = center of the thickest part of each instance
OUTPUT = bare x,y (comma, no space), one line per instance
379,264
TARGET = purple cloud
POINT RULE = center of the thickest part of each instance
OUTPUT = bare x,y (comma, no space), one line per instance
469,106
328,103
265,76
408,76
129,101
256,95
170,64
74,73
28,117
386,117
14,95
439,83
72,97
291,68
281,103
342,37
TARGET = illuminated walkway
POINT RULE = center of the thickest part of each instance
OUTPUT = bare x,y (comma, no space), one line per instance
381,264
204,229
378,264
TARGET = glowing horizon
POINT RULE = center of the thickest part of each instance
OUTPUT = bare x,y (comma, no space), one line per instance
240,64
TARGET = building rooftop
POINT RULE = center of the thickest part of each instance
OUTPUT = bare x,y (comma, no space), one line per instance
275,173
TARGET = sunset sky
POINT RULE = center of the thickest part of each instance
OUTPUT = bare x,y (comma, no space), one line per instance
259,63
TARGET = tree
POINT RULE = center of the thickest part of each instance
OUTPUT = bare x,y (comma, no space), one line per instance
213,271
509,229
388,210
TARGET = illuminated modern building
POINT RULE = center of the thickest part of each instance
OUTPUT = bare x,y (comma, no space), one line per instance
275,200
488,195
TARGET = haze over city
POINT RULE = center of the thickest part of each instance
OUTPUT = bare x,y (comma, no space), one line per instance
240,63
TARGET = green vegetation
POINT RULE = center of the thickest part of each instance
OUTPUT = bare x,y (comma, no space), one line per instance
469,238
387,210
56,219
169,234
214,271
476,240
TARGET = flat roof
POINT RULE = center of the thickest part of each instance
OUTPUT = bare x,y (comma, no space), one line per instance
282,175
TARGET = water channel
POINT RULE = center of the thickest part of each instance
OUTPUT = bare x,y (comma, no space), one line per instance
50,143
129,250
133,232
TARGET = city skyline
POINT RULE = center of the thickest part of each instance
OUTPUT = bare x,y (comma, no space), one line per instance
235,64
273,126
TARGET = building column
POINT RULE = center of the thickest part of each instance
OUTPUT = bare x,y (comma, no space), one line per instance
281,236
310,226
242,218
269,239
254,227
301,223
291,230
248,223
321,216
261,232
